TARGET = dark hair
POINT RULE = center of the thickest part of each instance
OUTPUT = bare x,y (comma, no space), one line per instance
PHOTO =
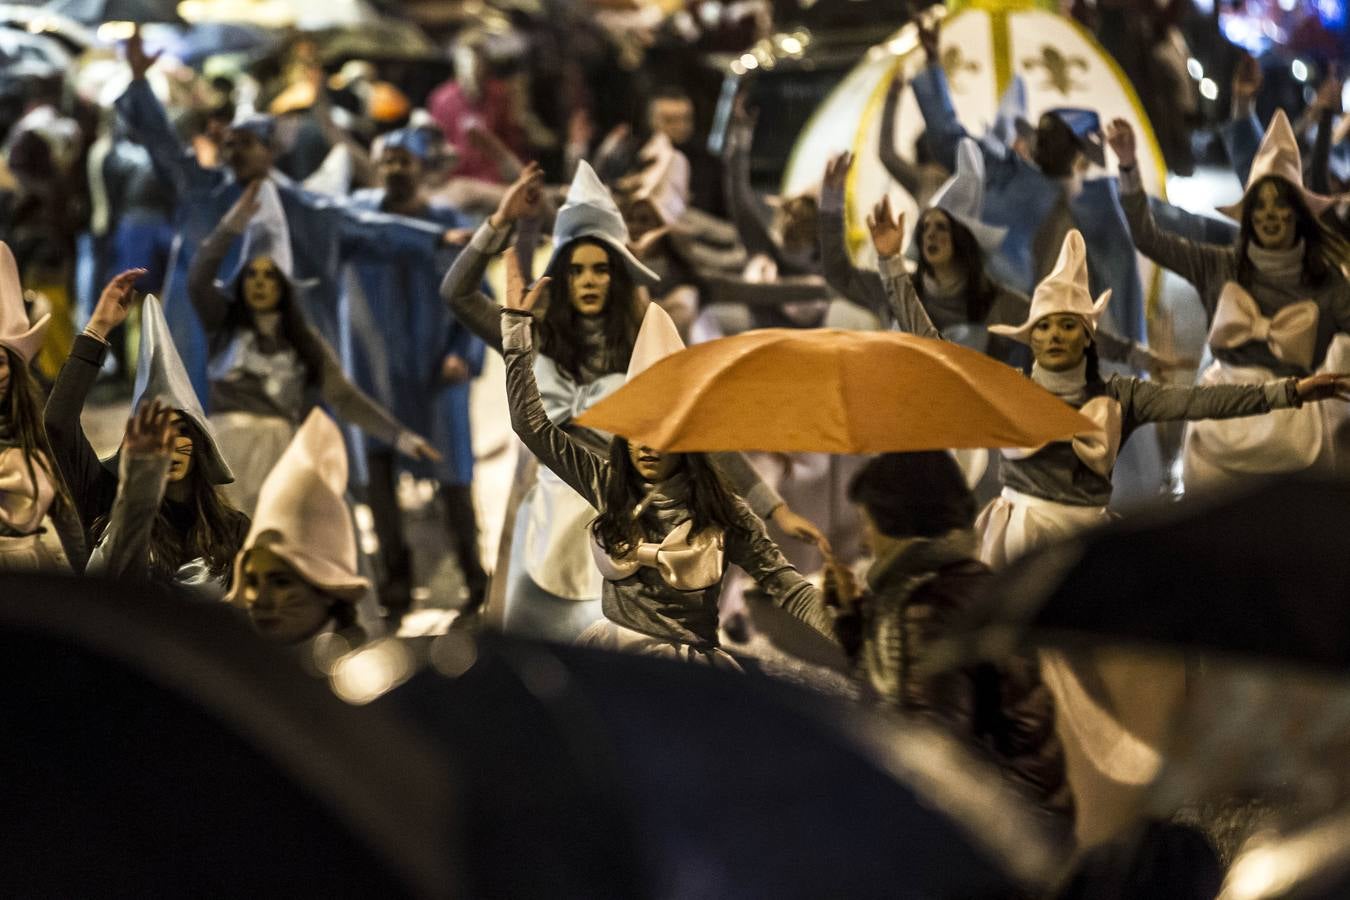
214,534
24,409
1317,263
969,257
711,503
919,494
559,327
295,329
670,92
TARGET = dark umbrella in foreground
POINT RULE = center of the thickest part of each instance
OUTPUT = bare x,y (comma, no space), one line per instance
159,740
96,12
1264,573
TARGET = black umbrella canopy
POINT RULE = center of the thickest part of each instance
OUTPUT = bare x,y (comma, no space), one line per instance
1263,574
96,12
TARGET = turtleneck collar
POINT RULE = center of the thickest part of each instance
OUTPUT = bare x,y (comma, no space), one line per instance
1069,385
1278,264
917,555
936,287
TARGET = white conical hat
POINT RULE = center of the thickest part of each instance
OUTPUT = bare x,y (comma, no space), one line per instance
267,234
1278,157
657,338
590,212
1064,290
962,198
302,516
15,331
160,375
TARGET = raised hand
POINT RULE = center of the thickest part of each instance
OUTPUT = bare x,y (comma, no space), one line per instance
1329,91
1120,137
1323,386
1247,78
114,303
841,586
517,297
836,171
930,38
522,198
139,61
150,430
888,229
244,209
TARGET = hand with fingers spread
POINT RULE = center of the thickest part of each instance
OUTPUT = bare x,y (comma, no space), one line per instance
1328,98
836,171
150,430
888,229
139,61
521,199
1323,386
114,303
1120,137
518,298
244,209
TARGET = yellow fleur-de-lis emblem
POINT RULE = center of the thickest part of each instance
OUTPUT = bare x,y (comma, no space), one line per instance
954,63
1059,69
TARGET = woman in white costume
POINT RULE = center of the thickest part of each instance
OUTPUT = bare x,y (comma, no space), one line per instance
584,334
31,488
1277,303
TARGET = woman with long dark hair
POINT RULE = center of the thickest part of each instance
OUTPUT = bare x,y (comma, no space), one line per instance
166,522
31,489
1277,303
667,526
268,367
585,334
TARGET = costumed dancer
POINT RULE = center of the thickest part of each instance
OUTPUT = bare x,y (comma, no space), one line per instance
268,366
585,337
417,359
323,232
1052,491
1278,306
31,488
1040,200
667,524
150,516
296,575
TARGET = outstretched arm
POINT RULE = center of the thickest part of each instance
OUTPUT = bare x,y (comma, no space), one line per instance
903,171
888,236
211,303
1149,401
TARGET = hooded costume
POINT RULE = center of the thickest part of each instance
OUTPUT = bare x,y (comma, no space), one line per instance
123,548
1282,322
1051,491
404,332
1032,204
303,518
323,232
29,482
660,598
266,376
554,588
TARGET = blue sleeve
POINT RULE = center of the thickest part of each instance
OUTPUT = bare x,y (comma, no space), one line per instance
149,127
1242,138
378,237
944,130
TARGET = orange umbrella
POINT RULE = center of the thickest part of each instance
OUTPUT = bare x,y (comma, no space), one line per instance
832,391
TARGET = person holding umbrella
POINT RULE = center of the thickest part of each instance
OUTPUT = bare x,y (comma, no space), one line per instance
1053,490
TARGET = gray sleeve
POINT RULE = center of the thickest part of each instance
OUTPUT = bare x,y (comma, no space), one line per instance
585,472
211,304
1149,401
910,316
1113,347
1206,266
852,283
742,478
352,404
124,549
460,289
750,547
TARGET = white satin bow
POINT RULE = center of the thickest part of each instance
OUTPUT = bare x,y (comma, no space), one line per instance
683,563
1291,333
1096,448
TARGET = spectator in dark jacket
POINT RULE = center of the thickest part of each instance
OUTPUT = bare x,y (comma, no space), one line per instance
918,517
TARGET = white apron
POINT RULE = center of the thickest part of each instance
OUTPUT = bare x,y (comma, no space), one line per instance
251,444
1015,523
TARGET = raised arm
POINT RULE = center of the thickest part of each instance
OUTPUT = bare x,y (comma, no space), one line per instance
904,172
1242,134
888,236
461,286
862,287
742,203
89,483
211,303
123,550
1204,265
